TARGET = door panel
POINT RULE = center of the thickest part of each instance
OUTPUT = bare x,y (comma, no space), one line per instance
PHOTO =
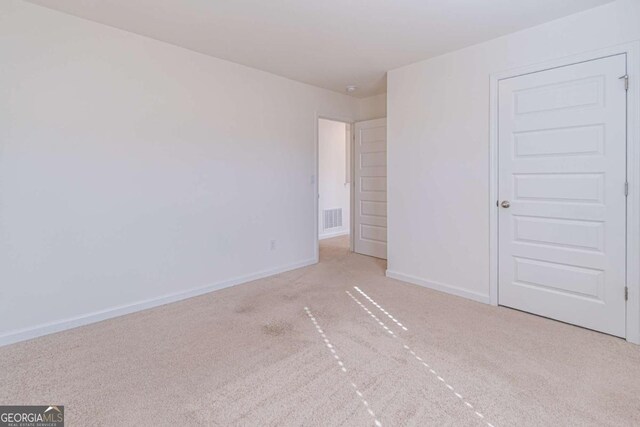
370,227
562,157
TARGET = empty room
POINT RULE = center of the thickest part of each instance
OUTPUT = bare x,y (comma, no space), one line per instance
319,213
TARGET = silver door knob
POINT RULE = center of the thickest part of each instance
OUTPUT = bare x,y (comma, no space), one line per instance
505,204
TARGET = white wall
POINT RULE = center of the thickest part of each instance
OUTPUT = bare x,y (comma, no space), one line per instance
438,131
133,172
332,164
373,107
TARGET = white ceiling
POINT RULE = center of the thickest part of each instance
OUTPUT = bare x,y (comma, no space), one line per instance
326,43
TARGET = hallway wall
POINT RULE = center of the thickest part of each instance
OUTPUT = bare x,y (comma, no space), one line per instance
333,187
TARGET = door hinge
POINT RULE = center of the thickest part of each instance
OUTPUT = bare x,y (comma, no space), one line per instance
626,189
626,81
626,293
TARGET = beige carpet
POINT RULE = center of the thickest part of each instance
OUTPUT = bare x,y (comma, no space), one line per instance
252,355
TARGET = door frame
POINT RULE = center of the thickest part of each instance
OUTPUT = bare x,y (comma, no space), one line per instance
632,51
350,122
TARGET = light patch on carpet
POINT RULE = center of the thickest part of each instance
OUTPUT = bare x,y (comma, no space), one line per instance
342,367
380,308
373,316
420,359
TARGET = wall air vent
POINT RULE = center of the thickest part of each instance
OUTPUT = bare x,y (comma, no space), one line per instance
332,218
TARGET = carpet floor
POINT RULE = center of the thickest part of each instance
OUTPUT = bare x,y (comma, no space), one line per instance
332,344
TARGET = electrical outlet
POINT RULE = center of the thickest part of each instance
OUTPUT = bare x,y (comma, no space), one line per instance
272,245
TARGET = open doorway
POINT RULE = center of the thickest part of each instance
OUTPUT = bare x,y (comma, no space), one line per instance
334,178
350,153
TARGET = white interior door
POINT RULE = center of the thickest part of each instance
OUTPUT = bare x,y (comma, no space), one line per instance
370,188
562,176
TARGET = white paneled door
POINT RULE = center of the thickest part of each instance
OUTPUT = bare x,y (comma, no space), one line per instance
370,219
562,186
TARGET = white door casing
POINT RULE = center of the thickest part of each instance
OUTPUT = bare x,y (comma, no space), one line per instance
562,167
370,188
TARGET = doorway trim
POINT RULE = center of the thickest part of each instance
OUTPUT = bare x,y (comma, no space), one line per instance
632,52
350,122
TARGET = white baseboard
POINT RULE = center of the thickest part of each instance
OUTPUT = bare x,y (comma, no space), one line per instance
449,289
333,234
97,316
